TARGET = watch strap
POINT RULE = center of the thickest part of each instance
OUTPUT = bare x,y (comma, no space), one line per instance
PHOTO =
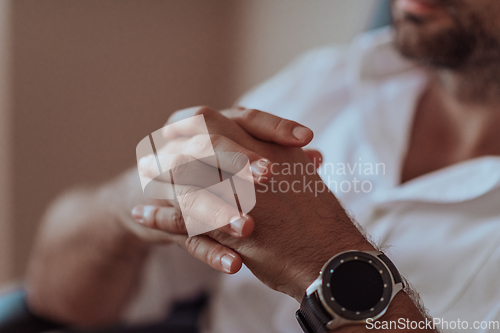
312,316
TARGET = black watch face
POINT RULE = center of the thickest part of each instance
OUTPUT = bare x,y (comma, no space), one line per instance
356,286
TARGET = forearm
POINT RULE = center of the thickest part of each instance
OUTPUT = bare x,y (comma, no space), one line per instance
405,313
86,262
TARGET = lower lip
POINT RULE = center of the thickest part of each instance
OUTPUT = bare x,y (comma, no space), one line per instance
419,7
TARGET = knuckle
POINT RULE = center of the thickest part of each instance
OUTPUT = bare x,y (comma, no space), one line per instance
159,219
212,255
219,214
215,141
214,138
238,159
202,143
181,192
153,219
178,220
249,115
169,219
234,113
187,201
205,111
174,161
282,124
178,166
192,244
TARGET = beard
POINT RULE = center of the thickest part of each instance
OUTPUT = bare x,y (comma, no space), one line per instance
461,44
450,48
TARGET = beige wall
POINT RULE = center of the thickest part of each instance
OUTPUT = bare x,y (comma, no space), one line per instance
6,236
273,32
91,78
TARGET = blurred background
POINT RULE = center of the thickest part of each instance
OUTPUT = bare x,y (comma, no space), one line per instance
82,82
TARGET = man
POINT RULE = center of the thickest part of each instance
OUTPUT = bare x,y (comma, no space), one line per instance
422,101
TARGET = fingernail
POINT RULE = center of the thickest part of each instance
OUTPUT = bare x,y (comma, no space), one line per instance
237,224
227,262
259,168
138,214
302,133
143,214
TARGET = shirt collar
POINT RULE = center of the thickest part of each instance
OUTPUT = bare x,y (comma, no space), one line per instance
457,183
387,88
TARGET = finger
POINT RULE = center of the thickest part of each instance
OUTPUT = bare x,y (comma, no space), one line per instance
267,127
195,121
186,170
215,208
218,151
158,185
168,219
184,114
148,165
210,201
186,123
314,156
216,255
211,252
180,169
222,235
241,228
202,205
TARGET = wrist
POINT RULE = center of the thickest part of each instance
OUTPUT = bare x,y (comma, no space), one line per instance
333,233
116,200
356,289
311,271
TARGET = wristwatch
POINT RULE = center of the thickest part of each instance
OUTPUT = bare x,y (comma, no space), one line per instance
352,287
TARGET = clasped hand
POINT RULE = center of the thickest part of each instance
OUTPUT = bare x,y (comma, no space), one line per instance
289,234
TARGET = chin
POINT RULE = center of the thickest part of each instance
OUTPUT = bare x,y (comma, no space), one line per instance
432,46
413,39
414,31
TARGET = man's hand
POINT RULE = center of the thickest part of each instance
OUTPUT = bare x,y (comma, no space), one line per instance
295,232
89,254
164,223
297,229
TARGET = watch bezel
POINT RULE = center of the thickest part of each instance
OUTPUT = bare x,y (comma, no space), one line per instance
334,308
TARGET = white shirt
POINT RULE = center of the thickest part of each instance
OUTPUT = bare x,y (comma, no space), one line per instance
442,230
